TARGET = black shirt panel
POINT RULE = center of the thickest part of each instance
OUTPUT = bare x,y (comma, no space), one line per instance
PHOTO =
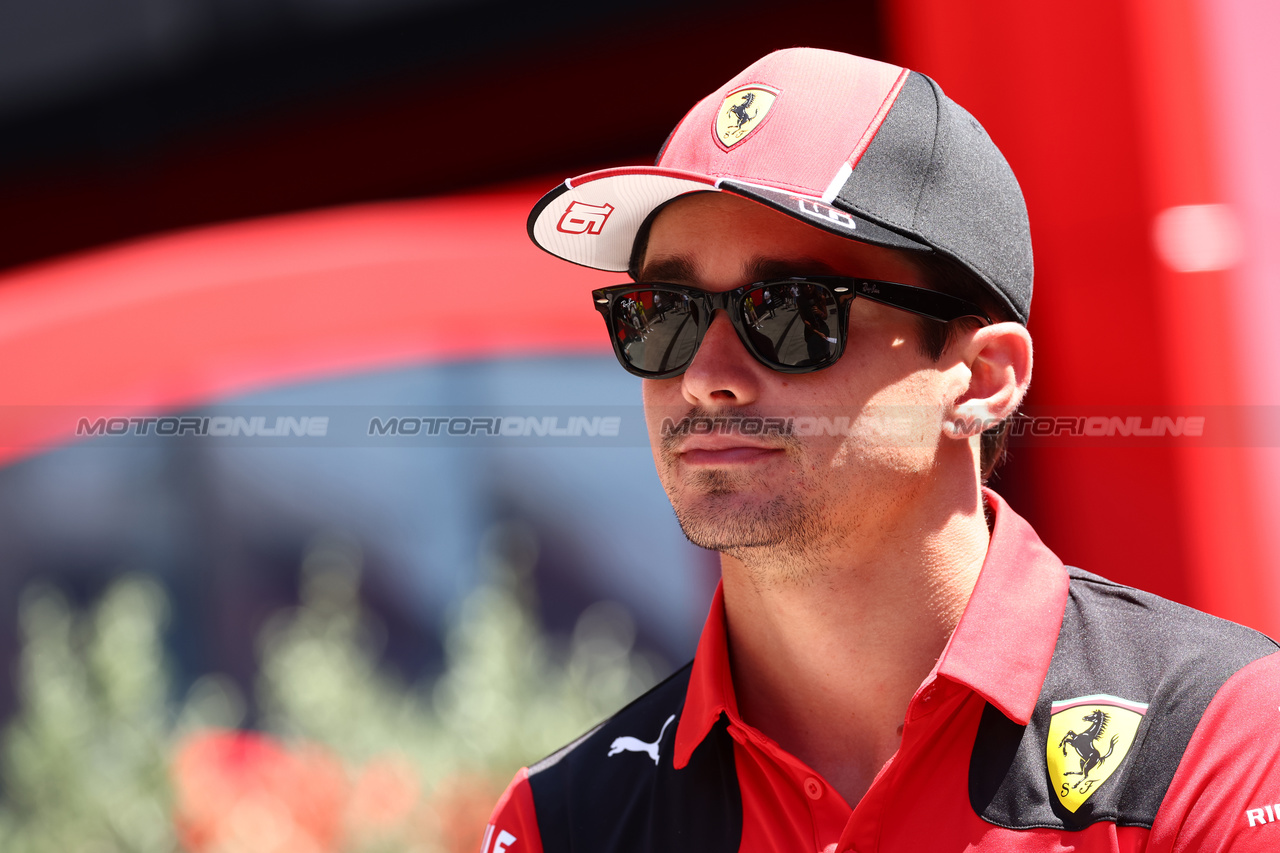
605,794
1122,642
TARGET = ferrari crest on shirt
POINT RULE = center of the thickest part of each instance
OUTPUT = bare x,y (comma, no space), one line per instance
1089,737
742,111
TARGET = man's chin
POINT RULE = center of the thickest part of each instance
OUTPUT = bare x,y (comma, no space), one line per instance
729,521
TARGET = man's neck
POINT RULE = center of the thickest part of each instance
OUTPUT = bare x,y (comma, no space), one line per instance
826,664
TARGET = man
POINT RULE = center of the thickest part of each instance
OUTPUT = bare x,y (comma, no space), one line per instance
893,660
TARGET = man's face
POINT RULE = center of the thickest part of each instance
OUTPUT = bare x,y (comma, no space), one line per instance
790,495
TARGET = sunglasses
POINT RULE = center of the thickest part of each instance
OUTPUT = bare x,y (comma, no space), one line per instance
792,325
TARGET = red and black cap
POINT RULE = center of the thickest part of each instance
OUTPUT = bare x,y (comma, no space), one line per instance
857,147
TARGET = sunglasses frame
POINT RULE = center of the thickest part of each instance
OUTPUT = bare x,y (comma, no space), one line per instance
920,301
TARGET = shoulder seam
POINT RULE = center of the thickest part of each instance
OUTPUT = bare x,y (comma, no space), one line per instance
555,757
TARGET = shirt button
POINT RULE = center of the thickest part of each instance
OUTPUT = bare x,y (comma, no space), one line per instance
813,788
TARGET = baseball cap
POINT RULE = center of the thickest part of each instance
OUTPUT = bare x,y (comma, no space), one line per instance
861,148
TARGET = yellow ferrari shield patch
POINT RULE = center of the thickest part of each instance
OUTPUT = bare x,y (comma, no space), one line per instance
742,111
1088,738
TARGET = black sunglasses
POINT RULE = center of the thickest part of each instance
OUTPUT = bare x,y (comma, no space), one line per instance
793,325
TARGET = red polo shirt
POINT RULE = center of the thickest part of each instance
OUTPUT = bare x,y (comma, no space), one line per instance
1181,751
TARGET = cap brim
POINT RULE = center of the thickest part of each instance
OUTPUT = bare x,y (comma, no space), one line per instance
593,219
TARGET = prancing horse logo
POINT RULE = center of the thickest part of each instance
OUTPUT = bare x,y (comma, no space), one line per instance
741,112
627,743
1074,753
1083,745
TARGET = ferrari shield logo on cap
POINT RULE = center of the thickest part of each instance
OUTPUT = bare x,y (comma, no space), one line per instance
742,111
1089,737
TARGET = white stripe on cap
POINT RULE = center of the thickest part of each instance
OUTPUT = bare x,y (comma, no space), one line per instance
837,183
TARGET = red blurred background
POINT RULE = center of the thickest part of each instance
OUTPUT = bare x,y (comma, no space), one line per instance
1113,114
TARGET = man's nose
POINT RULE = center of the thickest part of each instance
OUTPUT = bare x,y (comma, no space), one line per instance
722,372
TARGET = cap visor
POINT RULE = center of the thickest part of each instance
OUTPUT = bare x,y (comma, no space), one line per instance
593,219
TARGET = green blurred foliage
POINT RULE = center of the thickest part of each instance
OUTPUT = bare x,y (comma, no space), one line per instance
86,761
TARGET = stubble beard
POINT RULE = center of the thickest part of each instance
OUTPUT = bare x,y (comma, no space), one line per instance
777,538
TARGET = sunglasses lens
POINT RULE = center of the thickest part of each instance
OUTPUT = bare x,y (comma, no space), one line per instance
656,329
793,324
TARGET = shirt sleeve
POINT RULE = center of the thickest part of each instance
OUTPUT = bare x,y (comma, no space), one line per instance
1225,795
513,827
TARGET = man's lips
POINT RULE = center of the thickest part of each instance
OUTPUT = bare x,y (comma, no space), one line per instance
727,451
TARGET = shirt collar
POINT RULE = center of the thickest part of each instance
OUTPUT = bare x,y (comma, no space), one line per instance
1021,592
710,692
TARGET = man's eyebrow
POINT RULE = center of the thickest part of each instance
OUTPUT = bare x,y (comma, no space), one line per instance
674,268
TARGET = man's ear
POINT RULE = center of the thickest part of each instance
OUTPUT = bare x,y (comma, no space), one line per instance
999,361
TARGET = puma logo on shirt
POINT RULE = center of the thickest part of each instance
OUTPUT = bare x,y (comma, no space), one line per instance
626,743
